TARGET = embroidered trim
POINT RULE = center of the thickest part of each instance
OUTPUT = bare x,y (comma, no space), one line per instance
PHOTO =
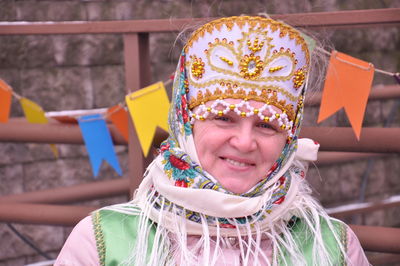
244,85
243,109
250,66
252,21
229,48
246,58
268,95
299,77
101,248
343,236
197,67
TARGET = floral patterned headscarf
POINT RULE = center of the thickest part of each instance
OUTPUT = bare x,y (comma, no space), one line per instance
280,77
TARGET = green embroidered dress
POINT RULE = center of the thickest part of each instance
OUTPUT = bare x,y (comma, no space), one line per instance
116,235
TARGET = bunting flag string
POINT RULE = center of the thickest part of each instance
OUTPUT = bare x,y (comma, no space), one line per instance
397,77
148,108
5,101
98,142
347,85
119,117
35,114
95,133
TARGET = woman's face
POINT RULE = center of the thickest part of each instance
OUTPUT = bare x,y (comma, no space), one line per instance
238,151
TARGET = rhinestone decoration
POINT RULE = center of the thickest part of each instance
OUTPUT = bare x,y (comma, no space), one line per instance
197,67
255,47
226,60
251,66
299,77
274,69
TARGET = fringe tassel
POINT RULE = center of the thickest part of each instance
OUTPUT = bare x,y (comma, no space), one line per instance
171,247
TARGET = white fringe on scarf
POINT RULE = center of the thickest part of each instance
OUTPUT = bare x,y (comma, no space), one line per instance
171,248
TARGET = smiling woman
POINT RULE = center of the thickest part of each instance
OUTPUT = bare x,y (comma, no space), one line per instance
239,152
228,186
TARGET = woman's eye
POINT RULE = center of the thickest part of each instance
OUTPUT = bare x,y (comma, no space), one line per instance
222,118
266,125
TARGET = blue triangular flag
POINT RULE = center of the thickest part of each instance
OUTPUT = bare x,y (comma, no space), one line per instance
98,142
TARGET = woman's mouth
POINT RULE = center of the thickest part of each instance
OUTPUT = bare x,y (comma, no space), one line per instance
237,163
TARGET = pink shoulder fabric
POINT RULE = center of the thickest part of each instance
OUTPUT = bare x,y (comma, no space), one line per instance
80,247
355,252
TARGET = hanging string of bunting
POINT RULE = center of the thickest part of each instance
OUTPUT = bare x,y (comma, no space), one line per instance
5,101
347,85
98,142
148,108
35,114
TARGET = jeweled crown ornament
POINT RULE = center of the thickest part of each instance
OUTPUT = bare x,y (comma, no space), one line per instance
248,58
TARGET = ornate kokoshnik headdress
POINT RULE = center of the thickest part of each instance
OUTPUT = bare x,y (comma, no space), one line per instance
247,58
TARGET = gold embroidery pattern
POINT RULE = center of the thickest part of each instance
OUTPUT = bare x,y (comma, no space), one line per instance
101,249
268,96
231,50
274,69
268,61
197,67
343,237
226,60
251,66
255,47
252,21
253,86
299,77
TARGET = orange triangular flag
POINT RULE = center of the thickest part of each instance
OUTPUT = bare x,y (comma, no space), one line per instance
347,84
119,117
5,101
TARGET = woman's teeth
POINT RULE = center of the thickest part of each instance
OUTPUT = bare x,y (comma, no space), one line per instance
236,163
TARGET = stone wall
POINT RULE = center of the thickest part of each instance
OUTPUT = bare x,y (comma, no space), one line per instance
66,72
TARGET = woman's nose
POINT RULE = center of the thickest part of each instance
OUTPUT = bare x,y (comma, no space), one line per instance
244,139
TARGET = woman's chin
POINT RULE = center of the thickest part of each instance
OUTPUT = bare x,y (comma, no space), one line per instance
236,187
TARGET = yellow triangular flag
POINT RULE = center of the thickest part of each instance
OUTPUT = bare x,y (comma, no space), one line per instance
35,114
148,108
